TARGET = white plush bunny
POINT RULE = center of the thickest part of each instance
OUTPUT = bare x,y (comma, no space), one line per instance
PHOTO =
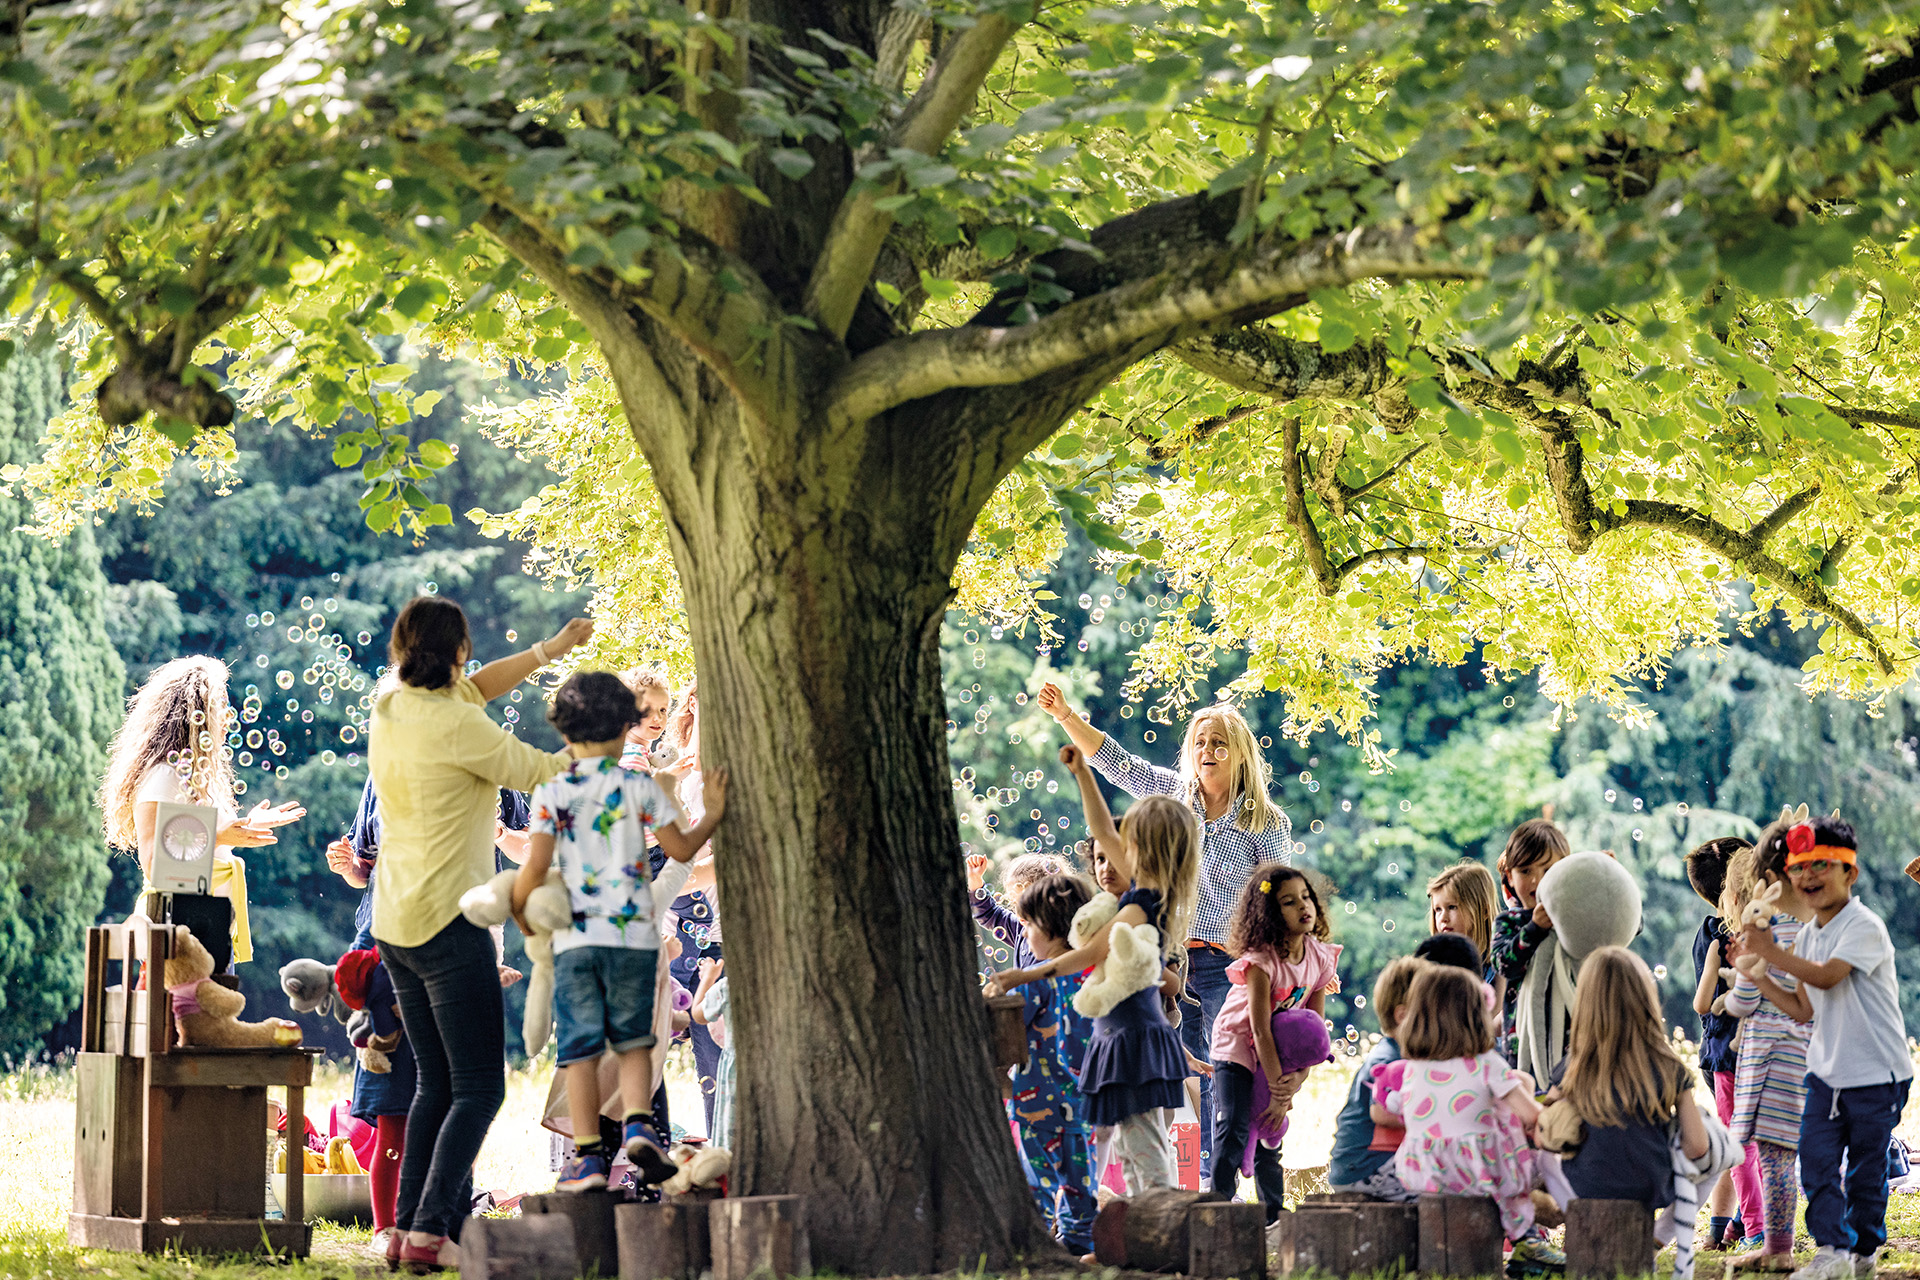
1133,960
549,910
1762,907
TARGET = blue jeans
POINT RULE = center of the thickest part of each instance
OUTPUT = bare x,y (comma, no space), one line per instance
1232,1131
449,993
1858,1122
1207,983
602,999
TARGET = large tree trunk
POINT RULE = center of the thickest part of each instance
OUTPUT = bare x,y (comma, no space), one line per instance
864,1079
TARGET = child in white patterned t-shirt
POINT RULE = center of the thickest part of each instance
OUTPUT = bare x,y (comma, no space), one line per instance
592,822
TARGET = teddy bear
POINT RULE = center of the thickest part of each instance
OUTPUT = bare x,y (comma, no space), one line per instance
207,1014
358,992
549,910
700,1168
1133,960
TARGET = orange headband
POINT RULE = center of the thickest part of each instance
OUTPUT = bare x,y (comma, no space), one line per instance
1829,852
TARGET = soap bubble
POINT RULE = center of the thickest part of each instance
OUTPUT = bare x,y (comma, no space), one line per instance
284,679
1393,868
1083,646
245,758
253,619
327,758
1638,804
282,773
260,660
1406,806
266,618
1305,776
254,739
1681,808
348,733
1148,735
1352,908
330,604
1346,806
1507,701
1386,926
1317,826
1313,786
1086,601
293,634
365,637
1638,834
1609,795
1660,972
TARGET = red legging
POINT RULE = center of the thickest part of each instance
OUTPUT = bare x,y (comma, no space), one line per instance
390,1139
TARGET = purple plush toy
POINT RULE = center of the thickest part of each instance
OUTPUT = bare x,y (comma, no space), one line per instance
1300,1039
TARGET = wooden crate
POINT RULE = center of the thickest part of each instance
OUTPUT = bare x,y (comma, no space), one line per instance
170,1145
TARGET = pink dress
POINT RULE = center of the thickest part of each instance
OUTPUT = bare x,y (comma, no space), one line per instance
1292,984
1460,1140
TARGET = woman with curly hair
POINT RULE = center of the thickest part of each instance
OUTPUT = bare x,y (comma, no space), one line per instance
172,747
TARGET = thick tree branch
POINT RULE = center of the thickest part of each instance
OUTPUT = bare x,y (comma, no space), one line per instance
859,228
1744,553
1162,307
1781,516
1874,417
695,291
624,338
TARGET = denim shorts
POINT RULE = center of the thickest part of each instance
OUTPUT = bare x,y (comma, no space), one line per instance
602,997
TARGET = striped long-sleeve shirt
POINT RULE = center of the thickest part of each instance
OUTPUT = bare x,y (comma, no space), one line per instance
1228,854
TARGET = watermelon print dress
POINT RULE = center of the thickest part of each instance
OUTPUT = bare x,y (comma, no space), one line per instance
1460,1140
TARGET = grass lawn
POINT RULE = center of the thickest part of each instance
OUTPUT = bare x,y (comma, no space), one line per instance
36,1179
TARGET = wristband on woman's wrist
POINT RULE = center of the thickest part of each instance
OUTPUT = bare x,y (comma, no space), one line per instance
540,652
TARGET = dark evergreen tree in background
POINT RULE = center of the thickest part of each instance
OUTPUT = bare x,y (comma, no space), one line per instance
59,704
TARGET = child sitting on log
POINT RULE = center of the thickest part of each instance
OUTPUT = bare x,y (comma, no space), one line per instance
1363,1150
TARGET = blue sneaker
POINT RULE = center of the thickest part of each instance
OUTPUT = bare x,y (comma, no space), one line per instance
584,1173
650,1164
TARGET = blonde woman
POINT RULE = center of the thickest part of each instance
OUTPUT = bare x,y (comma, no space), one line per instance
1223,778
172,747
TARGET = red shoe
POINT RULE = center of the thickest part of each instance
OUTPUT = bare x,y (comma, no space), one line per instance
421,1260
396,1239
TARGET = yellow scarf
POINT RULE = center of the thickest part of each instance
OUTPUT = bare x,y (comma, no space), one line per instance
229,881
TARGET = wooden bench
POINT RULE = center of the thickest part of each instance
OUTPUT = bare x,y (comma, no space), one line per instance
170,1145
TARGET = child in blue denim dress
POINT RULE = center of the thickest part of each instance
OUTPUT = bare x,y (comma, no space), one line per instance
1046,1107
592,823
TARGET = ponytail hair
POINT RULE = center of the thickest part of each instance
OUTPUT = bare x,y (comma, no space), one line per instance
428,637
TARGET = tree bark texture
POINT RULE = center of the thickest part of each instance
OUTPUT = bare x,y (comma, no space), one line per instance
816,567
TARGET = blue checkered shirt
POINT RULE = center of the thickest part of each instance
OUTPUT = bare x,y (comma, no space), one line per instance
1228,855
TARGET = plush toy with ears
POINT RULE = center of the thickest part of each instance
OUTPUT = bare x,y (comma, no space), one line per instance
549,910
206,1013
1133,960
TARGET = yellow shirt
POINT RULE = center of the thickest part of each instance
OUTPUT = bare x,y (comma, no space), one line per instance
438,763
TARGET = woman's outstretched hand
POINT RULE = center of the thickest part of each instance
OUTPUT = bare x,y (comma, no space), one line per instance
1053,702
1070,756
275,815
577,632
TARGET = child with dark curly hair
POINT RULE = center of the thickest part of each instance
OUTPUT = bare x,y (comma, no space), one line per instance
592,822
1283,961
